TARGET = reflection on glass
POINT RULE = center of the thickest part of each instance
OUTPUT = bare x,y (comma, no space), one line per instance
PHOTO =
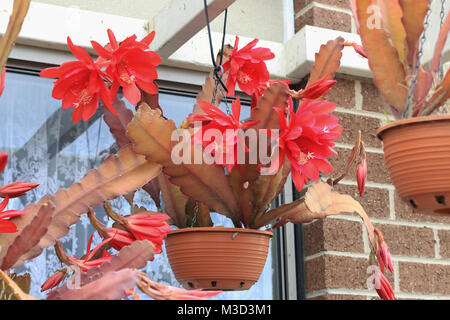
46,147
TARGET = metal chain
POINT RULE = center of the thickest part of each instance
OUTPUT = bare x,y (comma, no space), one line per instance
423,38
217,67
194,219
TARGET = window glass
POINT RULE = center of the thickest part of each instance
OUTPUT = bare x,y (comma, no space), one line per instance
46,147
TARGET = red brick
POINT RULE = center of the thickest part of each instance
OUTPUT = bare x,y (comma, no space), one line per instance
329,271
375,201
424,278
408,241
324,18
300,4
444,241
342,93
333,235
372,99
354,123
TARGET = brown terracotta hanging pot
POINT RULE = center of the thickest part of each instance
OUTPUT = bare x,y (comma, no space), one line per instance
217,258
417,153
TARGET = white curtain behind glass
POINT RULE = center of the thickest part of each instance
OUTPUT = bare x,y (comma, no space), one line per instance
47,148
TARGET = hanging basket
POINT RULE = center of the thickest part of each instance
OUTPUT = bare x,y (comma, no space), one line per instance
417,153
217,258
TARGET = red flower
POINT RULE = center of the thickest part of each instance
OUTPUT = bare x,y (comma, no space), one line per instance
80,84
307,140
383,255
358,48
361,174
87,263
229,127
315,90
140,226
247,67
130,65
16,189
118,238
54,280
7,226
384,289
3,161
2,81
12,190
149,226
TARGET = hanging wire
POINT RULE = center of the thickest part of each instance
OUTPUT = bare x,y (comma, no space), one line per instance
218,69
423,38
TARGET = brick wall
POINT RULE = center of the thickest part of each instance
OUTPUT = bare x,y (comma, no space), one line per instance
337,249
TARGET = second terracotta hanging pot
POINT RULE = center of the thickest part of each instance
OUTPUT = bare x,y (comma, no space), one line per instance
417,153
217,258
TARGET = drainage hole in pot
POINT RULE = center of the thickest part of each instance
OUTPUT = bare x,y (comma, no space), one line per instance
242,284
413,203
440,199
213,283
190,285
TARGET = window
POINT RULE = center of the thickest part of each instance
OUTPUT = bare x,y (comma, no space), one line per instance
46,147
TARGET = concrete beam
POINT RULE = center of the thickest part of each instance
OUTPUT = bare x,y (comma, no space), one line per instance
180,20
47,26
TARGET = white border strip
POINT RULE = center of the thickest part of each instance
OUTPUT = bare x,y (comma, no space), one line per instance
294,58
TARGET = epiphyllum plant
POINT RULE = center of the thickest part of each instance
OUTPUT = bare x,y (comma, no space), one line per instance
241,192
393,35
189,191
391,42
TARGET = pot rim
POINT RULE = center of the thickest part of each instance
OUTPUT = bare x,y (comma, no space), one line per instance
410,121
219,229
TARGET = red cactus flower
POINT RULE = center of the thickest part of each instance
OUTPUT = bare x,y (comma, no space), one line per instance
16,189
149,226
3,161
315,90
307,139
358,48
88,262
7,226
131,65
247,67
383,255
228,125
140,226
80,84
361,175
2,81
54,280
384,289
118,238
